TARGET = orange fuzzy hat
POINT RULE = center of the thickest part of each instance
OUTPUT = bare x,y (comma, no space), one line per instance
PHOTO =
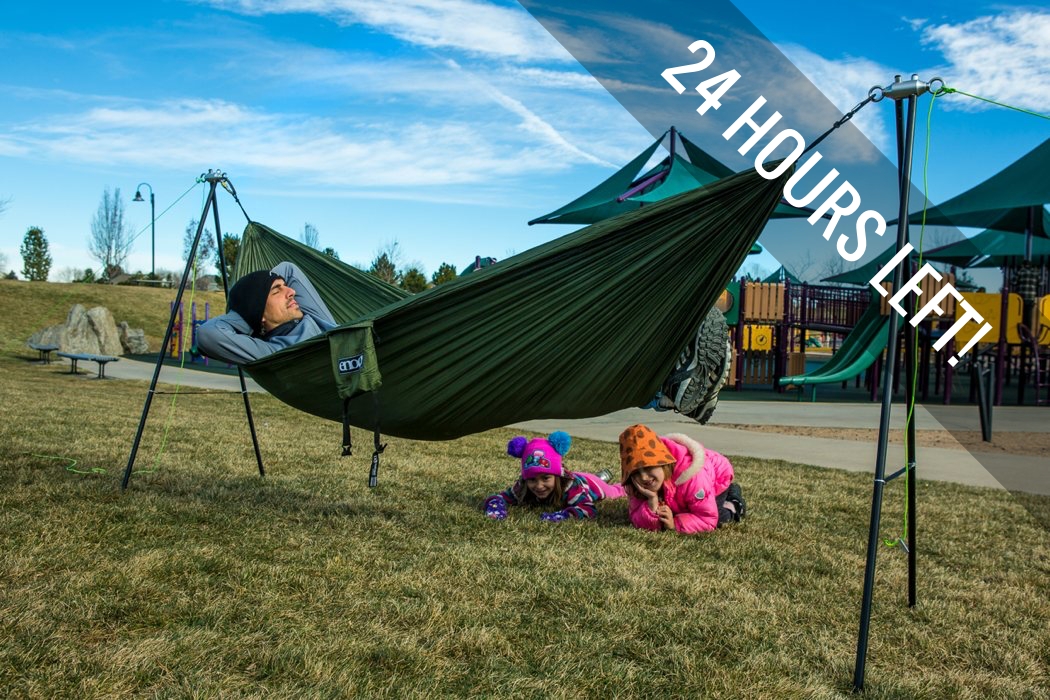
640,447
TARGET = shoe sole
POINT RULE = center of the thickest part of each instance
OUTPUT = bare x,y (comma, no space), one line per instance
695,385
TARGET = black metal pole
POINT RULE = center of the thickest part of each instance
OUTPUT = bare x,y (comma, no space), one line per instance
904,165
209,202
152,237
240,371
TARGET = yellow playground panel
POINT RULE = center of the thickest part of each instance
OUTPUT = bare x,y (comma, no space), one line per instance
1043,332
990,306
758,337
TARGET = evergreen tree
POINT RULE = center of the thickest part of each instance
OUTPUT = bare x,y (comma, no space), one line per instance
445,273
331,252
231,246
36,255
413,280
384,269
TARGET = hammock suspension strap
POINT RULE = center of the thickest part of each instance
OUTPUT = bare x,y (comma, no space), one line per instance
373,472
348,446
378,445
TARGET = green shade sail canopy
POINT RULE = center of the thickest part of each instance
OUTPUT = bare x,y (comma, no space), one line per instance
586,324
629,188
782,275
1013,199
991,249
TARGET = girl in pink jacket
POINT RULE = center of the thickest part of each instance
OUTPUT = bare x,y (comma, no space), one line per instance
674,483
544,482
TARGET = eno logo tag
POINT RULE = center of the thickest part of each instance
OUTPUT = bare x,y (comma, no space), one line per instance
348,365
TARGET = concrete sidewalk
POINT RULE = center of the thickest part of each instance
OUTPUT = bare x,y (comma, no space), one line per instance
184,376
939,464
1023,473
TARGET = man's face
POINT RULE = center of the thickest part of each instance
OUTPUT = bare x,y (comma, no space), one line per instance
281,306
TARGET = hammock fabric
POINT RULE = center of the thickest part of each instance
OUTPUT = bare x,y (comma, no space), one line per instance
586,324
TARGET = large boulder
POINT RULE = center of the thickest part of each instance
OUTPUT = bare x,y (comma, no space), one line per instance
132,339
91,332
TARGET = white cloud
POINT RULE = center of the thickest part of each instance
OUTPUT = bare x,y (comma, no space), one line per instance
1004,57
477,28
195,134
845,82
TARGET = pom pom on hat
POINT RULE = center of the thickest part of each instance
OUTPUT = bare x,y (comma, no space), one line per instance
560,441
516,446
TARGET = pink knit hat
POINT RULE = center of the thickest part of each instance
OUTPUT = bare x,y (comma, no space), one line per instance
539,455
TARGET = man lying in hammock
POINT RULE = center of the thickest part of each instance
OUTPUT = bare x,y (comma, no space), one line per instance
269,310
272,309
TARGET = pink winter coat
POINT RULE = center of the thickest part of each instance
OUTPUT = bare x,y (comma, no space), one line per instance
699,475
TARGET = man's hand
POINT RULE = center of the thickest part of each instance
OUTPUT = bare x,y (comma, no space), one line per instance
666,516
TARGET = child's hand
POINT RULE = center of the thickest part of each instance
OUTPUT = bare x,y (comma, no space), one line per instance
555,517
496,509
651,496
666,516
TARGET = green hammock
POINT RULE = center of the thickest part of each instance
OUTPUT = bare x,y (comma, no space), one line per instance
586,324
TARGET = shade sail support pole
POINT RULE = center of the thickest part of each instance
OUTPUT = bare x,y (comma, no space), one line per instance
899,91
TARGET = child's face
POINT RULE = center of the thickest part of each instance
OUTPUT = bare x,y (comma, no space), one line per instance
649,478
541,486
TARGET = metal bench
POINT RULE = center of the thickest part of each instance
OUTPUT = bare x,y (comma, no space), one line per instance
100,359
44,350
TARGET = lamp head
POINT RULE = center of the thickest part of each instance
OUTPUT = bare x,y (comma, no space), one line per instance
138,196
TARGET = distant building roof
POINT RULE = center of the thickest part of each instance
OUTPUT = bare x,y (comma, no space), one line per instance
479,263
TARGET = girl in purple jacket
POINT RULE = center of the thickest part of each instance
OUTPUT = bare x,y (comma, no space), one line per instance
546,483
674,483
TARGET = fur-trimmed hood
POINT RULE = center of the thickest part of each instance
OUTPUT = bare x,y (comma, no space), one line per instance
695,450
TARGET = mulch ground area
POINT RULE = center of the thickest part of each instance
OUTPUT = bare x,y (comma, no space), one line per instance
1030,444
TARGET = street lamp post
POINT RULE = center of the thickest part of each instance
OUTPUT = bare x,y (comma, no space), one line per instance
152,227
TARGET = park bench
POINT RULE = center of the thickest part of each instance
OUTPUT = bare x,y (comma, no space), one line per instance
100,359
44,350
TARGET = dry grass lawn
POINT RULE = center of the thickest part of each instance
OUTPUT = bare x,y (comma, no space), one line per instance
206,581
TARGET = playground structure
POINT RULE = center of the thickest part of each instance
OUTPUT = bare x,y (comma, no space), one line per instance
184,328
776,328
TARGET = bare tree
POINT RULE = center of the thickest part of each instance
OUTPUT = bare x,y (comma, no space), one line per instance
803,264
205,248
310,236
833,265
110,240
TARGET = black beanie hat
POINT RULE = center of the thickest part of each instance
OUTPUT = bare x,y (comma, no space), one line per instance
248,297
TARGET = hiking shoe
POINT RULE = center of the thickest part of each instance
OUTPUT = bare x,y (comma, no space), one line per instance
701,370
605,475
734,496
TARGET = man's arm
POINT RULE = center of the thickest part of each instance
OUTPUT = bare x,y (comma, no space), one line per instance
228,338
306,295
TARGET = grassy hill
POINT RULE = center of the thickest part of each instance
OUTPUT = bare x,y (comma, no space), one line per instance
32,306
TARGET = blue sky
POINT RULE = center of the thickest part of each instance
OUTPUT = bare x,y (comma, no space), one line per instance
443,126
